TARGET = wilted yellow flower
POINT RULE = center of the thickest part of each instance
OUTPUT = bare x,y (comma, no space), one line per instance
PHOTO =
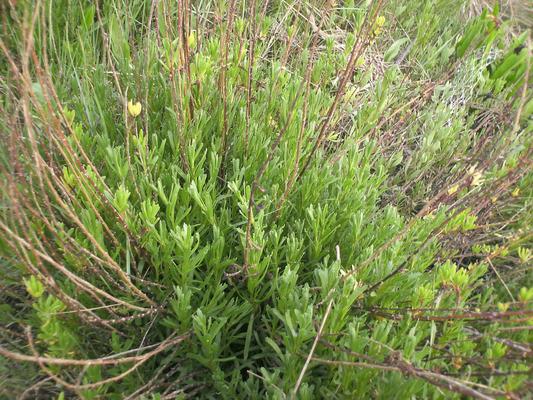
134,109
477,178
477,175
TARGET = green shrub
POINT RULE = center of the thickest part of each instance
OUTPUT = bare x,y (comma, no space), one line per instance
282,200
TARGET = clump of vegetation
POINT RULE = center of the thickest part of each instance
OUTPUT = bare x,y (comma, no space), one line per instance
274,199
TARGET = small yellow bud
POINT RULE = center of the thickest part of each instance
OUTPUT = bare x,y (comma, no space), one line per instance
515,192
191,40
503,306
134,109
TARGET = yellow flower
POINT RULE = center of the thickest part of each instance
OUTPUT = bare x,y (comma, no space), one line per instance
380,21
134,109
515,192
453,189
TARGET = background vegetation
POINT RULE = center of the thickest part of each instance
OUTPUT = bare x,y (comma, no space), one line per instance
280,199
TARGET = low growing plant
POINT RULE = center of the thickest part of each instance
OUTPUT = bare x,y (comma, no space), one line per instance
265,199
